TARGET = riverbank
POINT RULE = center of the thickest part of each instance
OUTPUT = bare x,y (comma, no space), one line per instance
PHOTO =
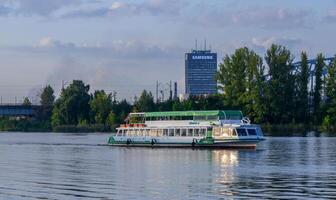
28,125
294,130
24,125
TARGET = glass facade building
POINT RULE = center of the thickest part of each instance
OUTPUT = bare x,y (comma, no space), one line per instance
200,70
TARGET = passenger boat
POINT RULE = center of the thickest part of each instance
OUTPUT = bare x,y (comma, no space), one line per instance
197,129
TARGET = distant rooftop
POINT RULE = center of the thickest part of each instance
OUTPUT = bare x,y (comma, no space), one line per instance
200,51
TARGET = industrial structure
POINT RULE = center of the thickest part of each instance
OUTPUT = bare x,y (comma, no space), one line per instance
200,70
312,69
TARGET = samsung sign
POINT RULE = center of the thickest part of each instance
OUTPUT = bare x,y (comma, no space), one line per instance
202,57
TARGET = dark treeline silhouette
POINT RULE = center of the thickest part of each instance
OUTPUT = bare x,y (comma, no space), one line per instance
267,89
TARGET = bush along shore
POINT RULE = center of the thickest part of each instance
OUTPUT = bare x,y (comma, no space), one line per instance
278,98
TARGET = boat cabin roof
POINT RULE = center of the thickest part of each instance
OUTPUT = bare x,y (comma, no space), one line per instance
218,114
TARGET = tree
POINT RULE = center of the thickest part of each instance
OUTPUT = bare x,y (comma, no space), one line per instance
318,89
145,103
231,77
72,106
101,106
329,121
302,90
26,102
47,97
241,78
254,99
280,90
47,100
112,120
121,110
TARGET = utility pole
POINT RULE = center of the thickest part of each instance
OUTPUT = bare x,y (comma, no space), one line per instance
157,92
114,96
175,90
170,91
162,95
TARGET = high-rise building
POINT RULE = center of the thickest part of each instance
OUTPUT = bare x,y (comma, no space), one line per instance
200,70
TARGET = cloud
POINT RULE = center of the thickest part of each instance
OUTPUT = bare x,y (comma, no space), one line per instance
48,42
119,49
35,7
257,16
331,16
207,14
89,8
295,45
170,8
265,43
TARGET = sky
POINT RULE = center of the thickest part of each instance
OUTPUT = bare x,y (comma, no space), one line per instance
126,46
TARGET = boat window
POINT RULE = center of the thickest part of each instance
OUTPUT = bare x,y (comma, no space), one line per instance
123,132
202,132
216,132
212,117
159,132
241,132
171,132
234,132
153,132
226,132
196,133
190,132
147,132
200,118
177,132
165,132
252,131
184,132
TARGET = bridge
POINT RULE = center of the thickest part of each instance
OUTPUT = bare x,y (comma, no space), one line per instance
312,64
18,110
312,69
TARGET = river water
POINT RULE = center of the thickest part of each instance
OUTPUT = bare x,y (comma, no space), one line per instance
82,166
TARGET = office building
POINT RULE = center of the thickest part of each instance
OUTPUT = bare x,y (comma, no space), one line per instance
200,70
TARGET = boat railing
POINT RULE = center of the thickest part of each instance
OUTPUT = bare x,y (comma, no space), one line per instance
246,120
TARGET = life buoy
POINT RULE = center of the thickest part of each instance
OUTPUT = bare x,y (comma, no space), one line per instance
153,141
128,141
194,142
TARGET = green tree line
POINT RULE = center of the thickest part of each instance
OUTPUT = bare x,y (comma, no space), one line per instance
271,90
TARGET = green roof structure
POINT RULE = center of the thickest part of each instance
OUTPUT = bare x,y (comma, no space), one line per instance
222,114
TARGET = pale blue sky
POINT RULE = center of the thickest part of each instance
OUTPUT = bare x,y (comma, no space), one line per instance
127,45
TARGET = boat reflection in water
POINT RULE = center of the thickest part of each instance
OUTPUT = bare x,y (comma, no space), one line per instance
225,157
225,163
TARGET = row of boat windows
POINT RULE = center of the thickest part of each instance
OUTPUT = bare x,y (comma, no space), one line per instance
229,132
196,118
184,132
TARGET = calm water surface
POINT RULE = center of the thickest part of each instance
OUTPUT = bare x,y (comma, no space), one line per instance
81,166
